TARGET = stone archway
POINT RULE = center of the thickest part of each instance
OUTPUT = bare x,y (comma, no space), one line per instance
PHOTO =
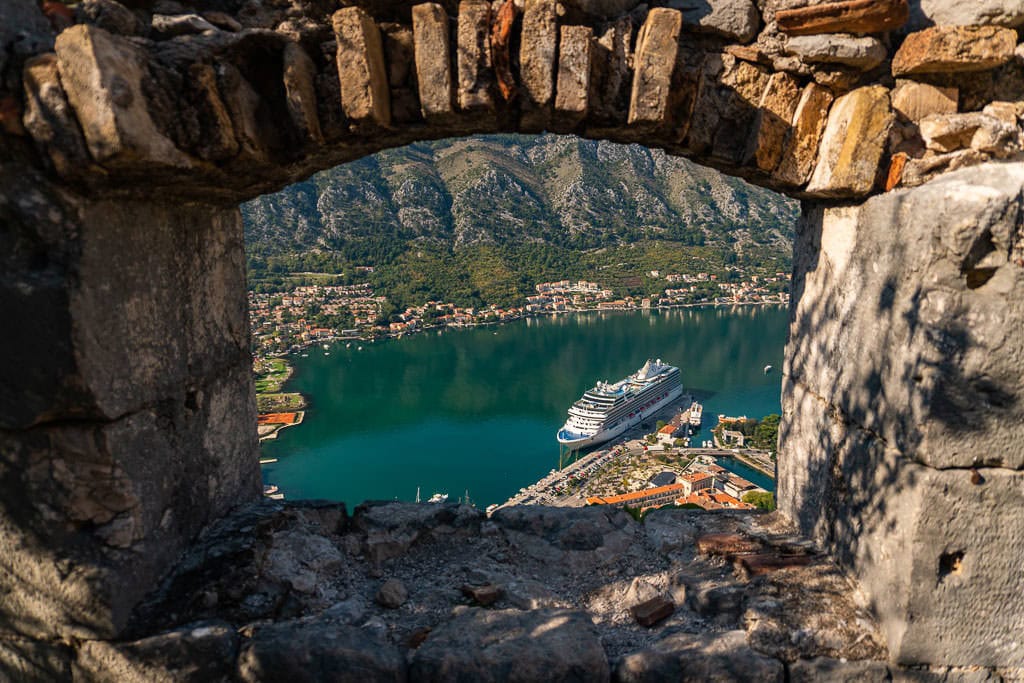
127,148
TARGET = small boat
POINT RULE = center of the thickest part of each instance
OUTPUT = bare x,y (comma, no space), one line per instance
326,346
767,369
359,348
305,355
438,498
349,345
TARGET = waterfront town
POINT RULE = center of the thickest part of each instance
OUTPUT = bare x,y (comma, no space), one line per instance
639,471
289,321
643,472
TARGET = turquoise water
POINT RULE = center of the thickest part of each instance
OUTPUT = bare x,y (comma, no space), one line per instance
478,408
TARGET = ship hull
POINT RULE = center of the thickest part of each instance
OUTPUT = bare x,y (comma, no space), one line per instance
577,441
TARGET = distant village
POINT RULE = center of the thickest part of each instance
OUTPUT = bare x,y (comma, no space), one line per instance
283,322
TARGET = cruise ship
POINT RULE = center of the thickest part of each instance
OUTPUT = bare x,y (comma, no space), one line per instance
607,410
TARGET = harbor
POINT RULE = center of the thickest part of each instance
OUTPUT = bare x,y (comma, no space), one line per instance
479,411
654,468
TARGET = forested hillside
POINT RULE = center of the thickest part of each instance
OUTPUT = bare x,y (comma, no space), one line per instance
483,218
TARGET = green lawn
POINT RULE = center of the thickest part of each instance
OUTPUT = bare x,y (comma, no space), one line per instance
271,375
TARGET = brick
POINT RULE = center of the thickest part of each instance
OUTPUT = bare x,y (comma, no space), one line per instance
650,612
852,145
773,121
537,63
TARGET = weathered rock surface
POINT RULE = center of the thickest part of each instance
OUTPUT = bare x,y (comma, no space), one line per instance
840,671
801,147
728,99
697,658
936,271
195,653
392,594
853,143
181,24
511,645
733,19
976,130
102,75
912,101
111,16
318,650
575,54
862,52
361,71
654,63
433,61
774,121
845,16
954,49
537,62
925,13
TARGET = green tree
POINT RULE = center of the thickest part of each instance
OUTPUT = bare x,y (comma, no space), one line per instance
764,500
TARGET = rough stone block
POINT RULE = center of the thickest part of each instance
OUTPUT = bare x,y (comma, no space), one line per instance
838,671
774,121
912,298
537,63
800,150
103,77
400,59
654,62
860,52
925,13
725,109
316,649
733,19
610,79
204,651
693,658
501,645
975,130
112,16
300,91
848,16
572,98
361,73
474,56
953,49
853,143
433,63
28,660
216,140
49,118
912,101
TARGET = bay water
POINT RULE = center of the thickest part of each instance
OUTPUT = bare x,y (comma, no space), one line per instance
477,409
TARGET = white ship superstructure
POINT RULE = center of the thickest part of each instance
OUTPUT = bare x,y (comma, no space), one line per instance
607,410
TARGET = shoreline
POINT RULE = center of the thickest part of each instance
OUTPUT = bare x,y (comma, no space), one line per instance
539,314
395,336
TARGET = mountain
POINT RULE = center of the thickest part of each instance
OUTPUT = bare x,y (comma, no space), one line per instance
527,206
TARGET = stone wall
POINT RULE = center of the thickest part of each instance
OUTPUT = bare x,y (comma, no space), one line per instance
903,423
127,136
127,411
831,100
